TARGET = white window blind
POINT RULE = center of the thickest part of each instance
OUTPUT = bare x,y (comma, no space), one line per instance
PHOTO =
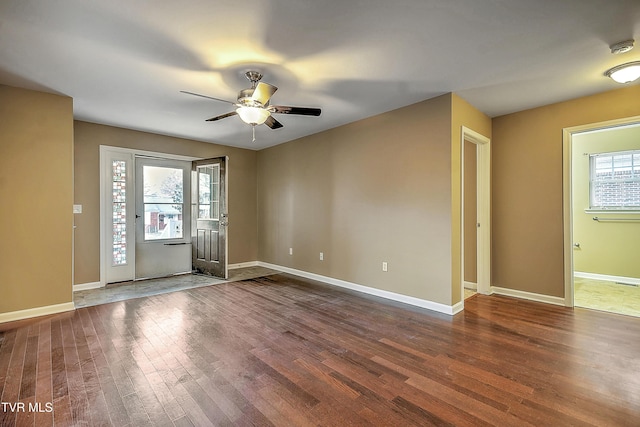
615,180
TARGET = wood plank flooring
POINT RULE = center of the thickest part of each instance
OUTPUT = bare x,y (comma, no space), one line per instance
285,351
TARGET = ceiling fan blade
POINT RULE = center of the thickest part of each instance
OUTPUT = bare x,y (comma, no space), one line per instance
208,97
302,111
222,116
263,92
273,123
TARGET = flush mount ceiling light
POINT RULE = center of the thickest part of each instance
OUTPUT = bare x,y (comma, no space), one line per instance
625,73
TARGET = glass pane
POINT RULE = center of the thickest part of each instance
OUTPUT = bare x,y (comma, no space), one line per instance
604,166
622,162
162,221
119,209
208,191
205,181
162,198
616,181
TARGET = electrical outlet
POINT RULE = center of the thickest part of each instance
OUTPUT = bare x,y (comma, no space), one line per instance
290,251
385,267
321,256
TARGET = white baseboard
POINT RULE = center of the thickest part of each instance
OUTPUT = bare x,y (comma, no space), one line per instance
528,295
242,265
471,285
607,278
457,307
36,312
85,286
430,305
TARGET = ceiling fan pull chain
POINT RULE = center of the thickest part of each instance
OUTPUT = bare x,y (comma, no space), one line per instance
253,128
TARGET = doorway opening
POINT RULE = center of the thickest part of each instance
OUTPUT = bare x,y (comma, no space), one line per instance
475,218
146,208
601,175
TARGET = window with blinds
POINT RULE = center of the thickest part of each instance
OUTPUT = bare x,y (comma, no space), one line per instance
615,180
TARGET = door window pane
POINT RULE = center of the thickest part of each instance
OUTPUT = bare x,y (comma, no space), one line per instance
209,192
163,202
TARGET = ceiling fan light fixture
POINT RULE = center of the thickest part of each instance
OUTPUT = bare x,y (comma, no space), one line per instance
625,73
253,115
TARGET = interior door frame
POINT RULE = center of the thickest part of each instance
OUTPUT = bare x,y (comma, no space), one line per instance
483,201
567,194
106,153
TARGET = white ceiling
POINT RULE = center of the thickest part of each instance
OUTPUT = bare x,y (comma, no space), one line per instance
124,62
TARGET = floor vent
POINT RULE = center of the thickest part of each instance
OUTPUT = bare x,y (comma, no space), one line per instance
627,284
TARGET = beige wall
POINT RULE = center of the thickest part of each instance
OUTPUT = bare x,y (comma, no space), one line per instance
527,222
36,188
609,248
376,190
242,237
372,191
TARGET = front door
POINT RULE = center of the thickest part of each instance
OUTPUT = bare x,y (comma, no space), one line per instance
209,213
163,220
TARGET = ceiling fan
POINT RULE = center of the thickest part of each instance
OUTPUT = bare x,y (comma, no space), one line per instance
253,105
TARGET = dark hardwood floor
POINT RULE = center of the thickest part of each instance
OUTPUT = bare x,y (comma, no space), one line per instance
281,350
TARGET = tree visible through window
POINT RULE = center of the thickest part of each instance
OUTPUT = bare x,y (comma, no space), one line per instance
615,180
163,202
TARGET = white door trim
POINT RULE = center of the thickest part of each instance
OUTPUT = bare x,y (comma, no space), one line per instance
107,153
483,183
567,196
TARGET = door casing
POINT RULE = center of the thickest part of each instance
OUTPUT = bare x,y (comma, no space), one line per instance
567,195
106,154
483,188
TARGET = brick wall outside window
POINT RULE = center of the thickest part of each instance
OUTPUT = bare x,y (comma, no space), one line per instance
615,180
